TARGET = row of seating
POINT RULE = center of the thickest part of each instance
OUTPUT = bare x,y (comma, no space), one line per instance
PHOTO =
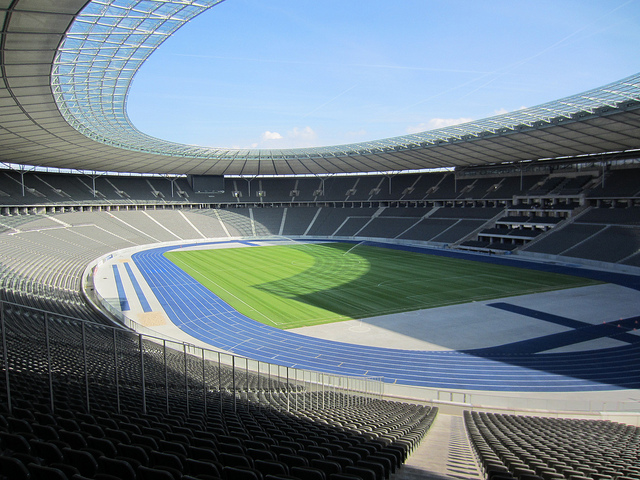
245,443
38,345
64,188
42,261
601,234
83,401
512,447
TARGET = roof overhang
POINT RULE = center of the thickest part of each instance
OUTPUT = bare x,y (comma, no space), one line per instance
37,111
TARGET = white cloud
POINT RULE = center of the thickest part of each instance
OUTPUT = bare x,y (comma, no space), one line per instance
356,133
421,127
271,136
436,123
296,137
502,111
305,133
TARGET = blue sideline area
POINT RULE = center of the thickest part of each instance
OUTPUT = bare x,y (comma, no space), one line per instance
136,287
122,295
199,313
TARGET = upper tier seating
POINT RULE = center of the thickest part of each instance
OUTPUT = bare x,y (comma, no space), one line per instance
612,216
547,186
618,184
601,234
64,189
43,255
575,185
42,188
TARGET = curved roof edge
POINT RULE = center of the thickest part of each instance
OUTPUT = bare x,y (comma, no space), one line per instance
110,40
34,132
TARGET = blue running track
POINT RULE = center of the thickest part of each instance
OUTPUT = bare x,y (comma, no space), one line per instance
199,313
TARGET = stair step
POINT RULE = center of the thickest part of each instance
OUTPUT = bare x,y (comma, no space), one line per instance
444,454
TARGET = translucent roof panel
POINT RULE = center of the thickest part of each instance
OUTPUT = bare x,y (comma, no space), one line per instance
110,40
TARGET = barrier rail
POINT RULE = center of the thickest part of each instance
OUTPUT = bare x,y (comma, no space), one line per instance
100,363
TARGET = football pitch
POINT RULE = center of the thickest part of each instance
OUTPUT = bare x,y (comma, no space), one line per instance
304,284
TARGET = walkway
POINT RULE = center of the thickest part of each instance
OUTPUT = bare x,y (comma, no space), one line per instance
444,454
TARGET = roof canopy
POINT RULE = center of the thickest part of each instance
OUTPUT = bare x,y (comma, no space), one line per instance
64,105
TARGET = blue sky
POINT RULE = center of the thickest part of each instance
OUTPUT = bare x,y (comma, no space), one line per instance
299,73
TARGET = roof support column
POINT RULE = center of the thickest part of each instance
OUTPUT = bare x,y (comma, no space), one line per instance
172,180
93,177
249,180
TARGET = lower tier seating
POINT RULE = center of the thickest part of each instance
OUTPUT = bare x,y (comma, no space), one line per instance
510,447
82,400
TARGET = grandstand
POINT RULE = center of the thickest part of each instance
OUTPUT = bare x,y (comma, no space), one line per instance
87,393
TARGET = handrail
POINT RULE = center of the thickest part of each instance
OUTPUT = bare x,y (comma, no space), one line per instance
278,386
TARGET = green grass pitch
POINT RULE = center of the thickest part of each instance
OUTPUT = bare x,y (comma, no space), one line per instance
298,285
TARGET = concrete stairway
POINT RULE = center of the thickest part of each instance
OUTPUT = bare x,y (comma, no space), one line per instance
444,454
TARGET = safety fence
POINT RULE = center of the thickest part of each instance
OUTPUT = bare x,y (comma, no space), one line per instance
62,359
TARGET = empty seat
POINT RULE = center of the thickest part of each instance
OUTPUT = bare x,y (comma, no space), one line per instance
48,452
257,454
308,473
377,468
82,460
204,454
231,448
92,429
293,460
344,476
116,467
41,472
271,467
99,476
241,473
327,466
14,443
280,449
19,425
149,443
134,452
199,467
232,460
165,460
45,432
380,460
363,473
73,439
12,468
309,455
146,473
340,460
102,445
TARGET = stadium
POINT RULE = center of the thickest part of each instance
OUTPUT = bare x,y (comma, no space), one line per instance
456,303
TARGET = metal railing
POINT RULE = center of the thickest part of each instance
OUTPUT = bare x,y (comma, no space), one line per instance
59,357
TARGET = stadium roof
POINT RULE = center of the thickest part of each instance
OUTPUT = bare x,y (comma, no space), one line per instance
67,66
